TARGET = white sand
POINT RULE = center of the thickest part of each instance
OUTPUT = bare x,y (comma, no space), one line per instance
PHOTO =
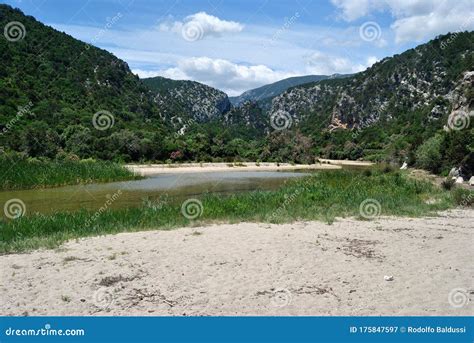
345,162
315,269
150,169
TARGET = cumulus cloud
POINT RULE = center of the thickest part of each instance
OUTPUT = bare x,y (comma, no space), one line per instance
230,77
320,63
415,20
234,78
200,25
448,17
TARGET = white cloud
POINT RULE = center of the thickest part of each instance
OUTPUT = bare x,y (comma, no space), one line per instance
371,60
415,20
354,9
319,63
234,78
451,17
229,77
200,25
239,63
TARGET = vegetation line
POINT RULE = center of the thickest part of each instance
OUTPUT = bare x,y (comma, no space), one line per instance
322,196
20,172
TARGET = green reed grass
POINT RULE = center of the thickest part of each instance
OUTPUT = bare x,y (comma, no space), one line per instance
323,196
24,173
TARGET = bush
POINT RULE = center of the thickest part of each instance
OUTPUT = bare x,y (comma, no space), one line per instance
428,155
448,184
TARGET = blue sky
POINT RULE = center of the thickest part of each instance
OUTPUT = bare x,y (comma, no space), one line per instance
236,45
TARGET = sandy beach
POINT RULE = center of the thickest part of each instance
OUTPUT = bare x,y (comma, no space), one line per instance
151,169
302,268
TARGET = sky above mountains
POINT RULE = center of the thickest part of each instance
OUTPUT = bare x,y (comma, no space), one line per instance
236,45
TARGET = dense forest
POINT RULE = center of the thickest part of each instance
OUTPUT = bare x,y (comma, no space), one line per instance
61,98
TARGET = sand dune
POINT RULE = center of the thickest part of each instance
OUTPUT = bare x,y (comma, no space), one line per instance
304,268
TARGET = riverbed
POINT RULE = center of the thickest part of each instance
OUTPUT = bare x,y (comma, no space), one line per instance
157,188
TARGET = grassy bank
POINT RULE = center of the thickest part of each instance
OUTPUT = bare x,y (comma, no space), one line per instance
23,173
323,196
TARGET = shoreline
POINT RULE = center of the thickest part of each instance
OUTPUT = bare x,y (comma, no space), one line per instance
300,268
151,169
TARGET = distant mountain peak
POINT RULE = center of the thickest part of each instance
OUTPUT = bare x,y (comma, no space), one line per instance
273,89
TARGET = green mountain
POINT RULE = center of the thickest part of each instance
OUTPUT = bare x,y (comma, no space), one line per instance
193,100
52,86
273,89
394,107
62,98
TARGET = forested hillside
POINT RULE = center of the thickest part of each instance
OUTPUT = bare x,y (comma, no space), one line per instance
62,98
192,100
401,109
61,83
273,89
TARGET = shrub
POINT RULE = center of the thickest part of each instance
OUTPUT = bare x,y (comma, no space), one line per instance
448,184
428,155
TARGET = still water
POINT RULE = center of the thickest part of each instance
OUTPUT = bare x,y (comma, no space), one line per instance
157,189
